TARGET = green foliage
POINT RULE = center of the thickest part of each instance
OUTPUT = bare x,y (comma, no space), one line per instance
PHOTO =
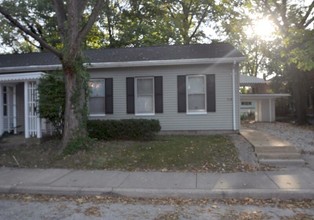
34,14
52,99
122,23
126,129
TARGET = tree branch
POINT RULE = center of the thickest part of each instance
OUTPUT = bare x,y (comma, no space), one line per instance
29,41
61,15
309,22
199,22
306,16
17,24
272,13
81,4
91,20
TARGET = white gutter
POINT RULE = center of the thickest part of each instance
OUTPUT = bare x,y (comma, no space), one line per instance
21,76
263,96
145,63
233,96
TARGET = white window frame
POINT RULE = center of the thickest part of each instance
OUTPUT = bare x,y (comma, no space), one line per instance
100,114
196,112
135,98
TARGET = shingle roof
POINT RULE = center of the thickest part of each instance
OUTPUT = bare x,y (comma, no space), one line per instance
196,51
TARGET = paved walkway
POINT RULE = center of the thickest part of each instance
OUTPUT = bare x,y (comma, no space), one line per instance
273,150
284,184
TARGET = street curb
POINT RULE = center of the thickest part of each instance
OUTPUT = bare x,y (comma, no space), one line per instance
164,193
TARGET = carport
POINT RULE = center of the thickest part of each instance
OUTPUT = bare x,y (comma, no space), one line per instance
258,100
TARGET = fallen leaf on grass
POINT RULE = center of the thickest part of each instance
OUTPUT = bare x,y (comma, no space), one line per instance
92,211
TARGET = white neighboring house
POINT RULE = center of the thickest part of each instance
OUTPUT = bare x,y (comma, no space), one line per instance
259,102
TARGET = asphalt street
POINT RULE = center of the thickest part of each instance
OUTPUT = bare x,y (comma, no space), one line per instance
79,208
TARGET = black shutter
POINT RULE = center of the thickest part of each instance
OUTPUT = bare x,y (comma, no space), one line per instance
158,94
181,84
211,93
109,96
130,107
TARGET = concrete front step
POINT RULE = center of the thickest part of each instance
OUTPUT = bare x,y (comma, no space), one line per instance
282,162
284,155
276,149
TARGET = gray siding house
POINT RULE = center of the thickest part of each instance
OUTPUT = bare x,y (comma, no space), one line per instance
187,88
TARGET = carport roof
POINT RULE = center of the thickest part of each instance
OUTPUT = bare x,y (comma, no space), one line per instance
246,80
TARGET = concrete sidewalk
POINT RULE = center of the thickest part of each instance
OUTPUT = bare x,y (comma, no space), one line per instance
295,183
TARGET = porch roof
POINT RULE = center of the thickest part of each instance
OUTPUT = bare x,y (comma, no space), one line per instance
263,96
20,76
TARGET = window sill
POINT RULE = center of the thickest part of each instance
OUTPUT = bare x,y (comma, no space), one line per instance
196,113
144,114
97,115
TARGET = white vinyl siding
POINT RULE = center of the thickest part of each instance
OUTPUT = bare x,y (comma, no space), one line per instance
97,97
171,120
144,96
196,94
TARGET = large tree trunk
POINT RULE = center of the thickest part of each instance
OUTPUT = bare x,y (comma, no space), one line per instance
75,117
300,94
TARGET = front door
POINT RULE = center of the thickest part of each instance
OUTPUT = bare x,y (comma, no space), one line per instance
9,108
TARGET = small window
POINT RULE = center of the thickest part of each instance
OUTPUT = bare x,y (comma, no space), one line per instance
246,103
97,97
196,94
144,96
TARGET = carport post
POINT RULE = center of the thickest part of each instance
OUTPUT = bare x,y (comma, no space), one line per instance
270,111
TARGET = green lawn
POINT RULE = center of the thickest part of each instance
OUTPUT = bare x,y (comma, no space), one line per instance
166,153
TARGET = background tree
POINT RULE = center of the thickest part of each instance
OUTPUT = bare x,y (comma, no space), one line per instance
35,16
187,17
295,23
74,19
288,55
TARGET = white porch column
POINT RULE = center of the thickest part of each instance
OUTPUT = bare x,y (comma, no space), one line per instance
14,109
258,113
26,113
38,120
1,110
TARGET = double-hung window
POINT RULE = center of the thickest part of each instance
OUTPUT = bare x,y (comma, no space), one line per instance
144,95
97,97
196,93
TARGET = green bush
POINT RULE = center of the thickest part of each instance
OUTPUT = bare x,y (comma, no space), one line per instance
52,100
126,129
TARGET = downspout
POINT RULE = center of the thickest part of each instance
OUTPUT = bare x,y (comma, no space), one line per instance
233,96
